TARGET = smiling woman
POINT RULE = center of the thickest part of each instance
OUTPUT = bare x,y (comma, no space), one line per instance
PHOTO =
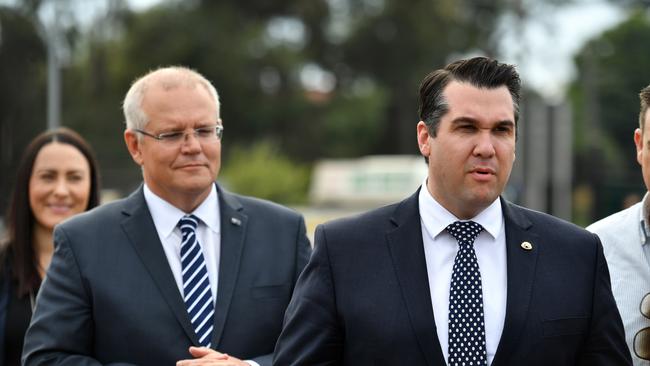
57,178
59,186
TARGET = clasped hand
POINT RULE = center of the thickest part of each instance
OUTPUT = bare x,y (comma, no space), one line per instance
207,356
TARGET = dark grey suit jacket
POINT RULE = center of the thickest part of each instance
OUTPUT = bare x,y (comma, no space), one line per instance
110,296
364,297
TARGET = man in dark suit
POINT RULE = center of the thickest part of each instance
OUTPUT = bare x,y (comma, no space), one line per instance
455,274
180,271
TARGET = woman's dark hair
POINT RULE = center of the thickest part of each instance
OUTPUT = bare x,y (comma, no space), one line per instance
19,253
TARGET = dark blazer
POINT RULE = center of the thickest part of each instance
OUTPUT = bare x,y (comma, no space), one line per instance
109,296
364,297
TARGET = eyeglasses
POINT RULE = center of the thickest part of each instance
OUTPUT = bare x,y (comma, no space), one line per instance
203,134
642,337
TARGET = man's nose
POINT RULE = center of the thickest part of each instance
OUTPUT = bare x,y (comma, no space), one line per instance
484,145
191,142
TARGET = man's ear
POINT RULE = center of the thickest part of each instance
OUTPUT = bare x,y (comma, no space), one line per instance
423,139
133,144
638,141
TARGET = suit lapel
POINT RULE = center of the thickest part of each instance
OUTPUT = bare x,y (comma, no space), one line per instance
233,233
521,273
140,230
407,252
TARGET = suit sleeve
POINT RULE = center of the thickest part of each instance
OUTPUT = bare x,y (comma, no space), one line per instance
311,334
303,252
61,330
303,249
605,344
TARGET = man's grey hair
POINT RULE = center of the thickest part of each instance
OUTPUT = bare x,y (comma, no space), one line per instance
168,78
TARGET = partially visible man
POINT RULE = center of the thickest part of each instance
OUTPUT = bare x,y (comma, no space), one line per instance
180,268
626,241
456,275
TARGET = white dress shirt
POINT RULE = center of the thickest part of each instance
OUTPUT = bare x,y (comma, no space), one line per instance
440,249
166,216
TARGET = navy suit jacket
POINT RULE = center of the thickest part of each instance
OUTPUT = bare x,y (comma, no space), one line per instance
364,297
110,297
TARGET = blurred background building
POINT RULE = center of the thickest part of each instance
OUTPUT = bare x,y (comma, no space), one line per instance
319,97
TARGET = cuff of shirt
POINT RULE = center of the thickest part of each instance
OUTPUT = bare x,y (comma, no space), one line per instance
252,363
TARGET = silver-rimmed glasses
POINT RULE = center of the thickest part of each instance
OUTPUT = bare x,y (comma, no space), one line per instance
203,134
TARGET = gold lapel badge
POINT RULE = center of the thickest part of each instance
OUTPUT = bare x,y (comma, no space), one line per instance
526,246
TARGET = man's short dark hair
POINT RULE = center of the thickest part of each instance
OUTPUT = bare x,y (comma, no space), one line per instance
645,104
481,72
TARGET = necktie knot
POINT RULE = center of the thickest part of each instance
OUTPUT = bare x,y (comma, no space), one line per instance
188,223
465,232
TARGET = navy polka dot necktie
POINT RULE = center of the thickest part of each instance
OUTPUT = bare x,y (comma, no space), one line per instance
466,324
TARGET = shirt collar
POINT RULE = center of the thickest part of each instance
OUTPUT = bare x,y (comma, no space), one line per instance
166,216
436,218
643,218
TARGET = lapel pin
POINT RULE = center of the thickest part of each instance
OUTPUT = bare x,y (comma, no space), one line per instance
526,246
235,221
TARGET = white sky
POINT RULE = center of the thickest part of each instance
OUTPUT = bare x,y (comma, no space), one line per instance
142,4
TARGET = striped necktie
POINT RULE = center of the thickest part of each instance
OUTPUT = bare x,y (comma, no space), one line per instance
196,283
466,322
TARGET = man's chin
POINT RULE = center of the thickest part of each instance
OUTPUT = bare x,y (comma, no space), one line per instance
195,184
484,198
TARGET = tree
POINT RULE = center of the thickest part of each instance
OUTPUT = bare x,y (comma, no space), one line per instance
612,69
223,40
398,43
22,97
314,78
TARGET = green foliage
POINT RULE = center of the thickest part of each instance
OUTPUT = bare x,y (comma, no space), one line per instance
262,171
398,43
620,70
612,69
376,59
352,123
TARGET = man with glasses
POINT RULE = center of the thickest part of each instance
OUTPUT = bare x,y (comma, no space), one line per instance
180,272
626,240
